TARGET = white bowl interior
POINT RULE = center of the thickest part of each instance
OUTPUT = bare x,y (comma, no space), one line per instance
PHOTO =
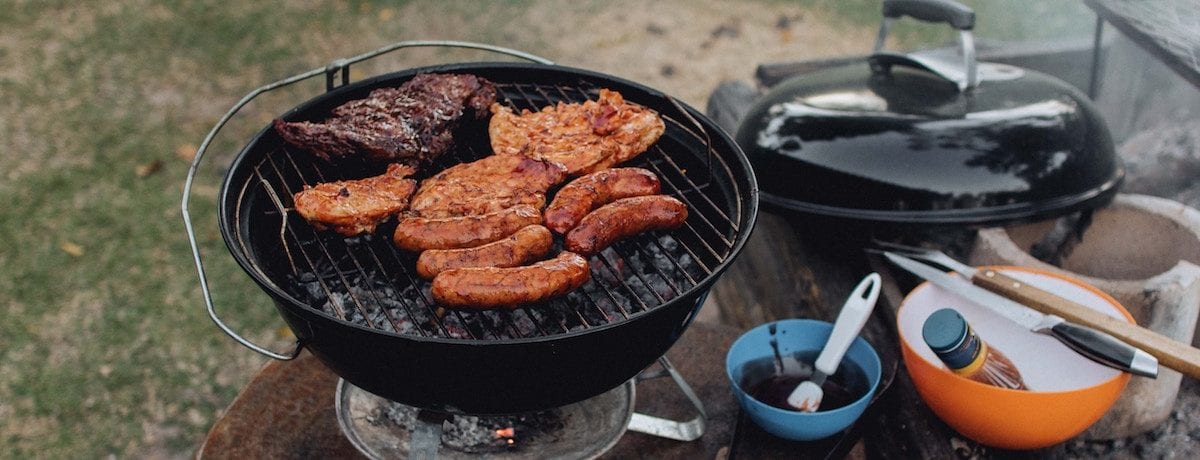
1044,362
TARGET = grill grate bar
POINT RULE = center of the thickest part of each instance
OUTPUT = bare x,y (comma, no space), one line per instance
693,189
362,271
333,298
618,249
667,279
631,277
704,139
617,275
411,314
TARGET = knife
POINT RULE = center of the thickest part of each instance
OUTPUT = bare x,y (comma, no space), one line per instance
1092,344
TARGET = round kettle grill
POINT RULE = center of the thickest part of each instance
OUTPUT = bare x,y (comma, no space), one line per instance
929,137
357,304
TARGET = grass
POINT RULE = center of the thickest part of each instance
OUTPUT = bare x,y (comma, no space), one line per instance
104,345
105,348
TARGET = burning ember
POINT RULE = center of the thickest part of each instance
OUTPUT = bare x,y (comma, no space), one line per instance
507,434
479,435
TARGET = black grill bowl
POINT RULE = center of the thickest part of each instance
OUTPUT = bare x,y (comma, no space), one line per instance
357,304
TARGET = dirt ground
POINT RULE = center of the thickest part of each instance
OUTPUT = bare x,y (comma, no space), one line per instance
686,48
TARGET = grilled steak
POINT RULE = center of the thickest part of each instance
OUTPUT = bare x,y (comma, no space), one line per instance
410,124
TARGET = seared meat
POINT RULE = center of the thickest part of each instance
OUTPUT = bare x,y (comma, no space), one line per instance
420,233
526,245
493,183
584,138
351,207
624,218
491,287
589,192
410,124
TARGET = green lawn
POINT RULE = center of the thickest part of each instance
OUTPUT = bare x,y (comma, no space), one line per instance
105,348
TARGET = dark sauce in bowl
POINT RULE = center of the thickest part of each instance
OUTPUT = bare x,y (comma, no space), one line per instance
771,379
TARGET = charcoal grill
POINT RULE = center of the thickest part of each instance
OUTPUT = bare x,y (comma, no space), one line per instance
358,305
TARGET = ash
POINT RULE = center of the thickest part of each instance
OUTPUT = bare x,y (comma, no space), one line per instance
478,435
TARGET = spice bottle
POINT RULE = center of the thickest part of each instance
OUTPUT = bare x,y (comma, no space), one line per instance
957,345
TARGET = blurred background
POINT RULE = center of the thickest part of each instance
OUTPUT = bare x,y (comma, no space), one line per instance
105,348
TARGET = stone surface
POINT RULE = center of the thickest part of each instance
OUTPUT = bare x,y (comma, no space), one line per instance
1143,251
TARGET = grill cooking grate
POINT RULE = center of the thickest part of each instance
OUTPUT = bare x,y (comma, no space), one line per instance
367,281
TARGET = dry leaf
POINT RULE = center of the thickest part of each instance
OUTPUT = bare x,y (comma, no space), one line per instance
146,169
386,14
285,333
186,152
71,248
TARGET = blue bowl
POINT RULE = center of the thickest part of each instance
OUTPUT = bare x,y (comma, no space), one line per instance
798,335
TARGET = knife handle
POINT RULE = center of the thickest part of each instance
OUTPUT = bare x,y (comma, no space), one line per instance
1104,348
1170,353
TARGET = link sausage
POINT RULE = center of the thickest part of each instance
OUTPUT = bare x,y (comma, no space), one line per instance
526,245
420,233
586,193
624,218
491,287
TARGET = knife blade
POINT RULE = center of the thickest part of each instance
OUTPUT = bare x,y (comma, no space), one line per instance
1092,344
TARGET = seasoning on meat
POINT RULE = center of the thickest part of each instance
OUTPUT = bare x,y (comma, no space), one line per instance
492,287
352,207
584,137
586,193
487,185
410,124
526,245
420,233
624,218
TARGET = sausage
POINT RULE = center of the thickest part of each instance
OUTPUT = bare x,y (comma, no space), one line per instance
624,218
526,245
420,233
492,287
586,193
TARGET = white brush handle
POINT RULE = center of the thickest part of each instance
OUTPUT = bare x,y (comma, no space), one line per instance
854,315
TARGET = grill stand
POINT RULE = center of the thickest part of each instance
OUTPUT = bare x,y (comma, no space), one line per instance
687,430
426,431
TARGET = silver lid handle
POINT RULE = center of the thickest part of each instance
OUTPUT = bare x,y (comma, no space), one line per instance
948,11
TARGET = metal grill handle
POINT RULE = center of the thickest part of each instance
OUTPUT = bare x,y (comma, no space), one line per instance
329,71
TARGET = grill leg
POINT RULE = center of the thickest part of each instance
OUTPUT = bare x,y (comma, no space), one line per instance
687,430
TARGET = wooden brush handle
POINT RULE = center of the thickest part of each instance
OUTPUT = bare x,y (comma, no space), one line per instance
1170,353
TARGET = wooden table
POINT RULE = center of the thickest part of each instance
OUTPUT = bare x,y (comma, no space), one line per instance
287,411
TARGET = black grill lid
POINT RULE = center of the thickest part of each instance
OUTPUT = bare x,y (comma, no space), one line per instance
929,138
909,147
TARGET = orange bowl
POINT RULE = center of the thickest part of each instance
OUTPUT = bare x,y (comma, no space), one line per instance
1067,392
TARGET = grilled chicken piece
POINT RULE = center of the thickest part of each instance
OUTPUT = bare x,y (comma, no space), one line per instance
487,185
352,207
584,137
410,124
